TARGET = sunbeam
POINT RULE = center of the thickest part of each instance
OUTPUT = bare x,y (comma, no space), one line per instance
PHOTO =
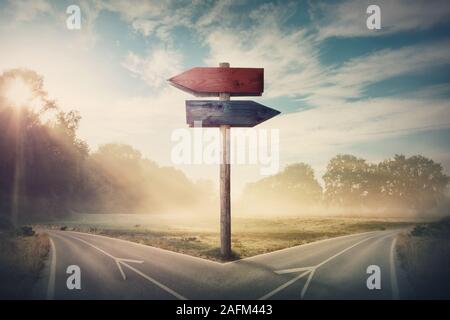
18,93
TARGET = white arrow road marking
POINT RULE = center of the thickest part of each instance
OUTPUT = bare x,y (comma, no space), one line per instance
286,284
309,270
307,283
293,270
118,261
121,261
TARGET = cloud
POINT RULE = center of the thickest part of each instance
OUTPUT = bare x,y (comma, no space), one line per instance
156,67
351,122
220,11
153,16
348,18
349,79
44,17
146,27
27,10
134,9
292,65
290,59
389,63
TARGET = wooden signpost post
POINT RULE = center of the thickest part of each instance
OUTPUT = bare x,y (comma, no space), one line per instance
224,82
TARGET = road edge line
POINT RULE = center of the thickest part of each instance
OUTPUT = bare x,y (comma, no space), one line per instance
51,279
394,281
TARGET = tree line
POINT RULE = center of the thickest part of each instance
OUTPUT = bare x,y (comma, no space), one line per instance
400,184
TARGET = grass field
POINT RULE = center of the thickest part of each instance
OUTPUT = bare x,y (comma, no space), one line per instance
200,237
425,256
21,261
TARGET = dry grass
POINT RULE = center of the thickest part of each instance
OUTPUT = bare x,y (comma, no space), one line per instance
425,256
21,261
251,236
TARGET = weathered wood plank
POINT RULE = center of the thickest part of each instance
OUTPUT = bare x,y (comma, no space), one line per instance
225,183
214,113
204,82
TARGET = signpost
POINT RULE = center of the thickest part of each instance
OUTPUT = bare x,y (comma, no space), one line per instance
224,82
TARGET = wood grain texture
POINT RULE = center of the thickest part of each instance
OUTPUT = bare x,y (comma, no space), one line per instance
206,82
225,194
214,113
225,182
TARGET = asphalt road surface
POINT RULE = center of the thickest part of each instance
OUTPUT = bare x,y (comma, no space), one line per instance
328,269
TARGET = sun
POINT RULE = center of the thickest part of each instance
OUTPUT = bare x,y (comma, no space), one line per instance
18,93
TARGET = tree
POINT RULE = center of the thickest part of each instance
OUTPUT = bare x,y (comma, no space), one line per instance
415,182
348,180
290,190
40,163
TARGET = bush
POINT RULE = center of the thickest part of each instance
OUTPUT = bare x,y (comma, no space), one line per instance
26,231
419,231
439,229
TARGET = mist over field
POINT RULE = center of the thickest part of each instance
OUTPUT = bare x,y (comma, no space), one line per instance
398,187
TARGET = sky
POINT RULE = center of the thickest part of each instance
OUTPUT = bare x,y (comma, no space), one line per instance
341,87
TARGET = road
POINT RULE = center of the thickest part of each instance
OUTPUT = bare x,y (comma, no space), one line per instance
328,269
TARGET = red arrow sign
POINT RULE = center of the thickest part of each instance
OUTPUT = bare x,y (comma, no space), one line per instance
207,82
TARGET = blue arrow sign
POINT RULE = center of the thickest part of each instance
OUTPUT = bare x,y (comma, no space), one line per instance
213,113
